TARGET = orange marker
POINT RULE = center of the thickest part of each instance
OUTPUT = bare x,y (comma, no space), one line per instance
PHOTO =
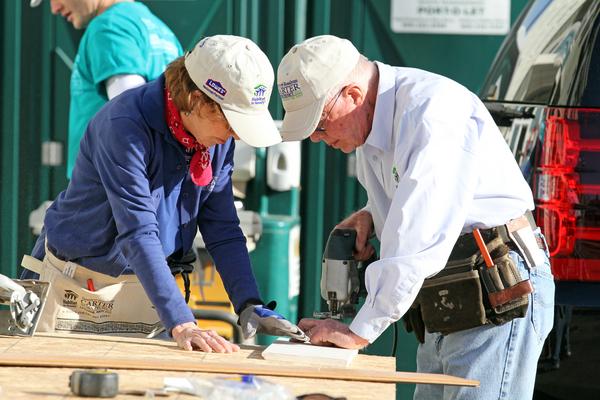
90,285
482,248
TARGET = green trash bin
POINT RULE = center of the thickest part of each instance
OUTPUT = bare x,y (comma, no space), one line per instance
276,264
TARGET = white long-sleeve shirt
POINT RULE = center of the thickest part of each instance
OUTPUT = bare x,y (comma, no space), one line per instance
434,166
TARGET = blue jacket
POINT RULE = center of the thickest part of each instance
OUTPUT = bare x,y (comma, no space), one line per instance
131,203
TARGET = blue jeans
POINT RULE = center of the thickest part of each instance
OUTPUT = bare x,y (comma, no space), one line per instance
503,358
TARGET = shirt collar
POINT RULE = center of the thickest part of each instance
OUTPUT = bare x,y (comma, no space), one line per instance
153,104
380,135
153,107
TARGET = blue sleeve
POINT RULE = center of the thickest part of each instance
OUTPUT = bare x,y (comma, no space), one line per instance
220,227
120,156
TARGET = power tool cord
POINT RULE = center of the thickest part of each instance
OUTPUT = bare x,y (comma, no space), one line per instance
395,339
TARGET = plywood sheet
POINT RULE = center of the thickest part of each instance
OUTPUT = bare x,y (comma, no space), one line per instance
44,384
29,383
140,359
283,350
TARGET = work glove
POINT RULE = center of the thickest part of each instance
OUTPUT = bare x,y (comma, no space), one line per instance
260,318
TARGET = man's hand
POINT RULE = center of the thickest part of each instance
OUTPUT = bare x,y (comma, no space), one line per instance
330,332
362,222
258,318
189,337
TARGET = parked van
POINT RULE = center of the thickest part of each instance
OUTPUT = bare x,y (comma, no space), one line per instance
543,91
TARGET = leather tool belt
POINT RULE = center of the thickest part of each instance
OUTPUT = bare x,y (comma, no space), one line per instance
468,293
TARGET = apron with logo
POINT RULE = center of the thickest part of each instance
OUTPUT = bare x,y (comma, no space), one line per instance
84,301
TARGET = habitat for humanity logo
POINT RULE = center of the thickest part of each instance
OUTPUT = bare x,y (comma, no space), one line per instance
70,298
215,88
259,94
289,90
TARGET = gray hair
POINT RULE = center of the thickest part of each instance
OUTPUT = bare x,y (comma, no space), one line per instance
355,76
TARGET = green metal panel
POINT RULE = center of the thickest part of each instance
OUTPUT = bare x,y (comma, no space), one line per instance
10,135
312,197
463,58
275,265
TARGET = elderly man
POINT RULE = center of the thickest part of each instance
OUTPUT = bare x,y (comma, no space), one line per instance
124,46
435,168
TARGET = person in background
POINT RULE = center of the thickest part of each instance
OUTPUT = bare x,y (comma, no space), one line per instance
435,167
155,166
124,46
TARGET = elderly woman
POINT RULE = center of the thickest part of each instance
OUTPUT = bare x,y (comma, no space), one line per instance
155,165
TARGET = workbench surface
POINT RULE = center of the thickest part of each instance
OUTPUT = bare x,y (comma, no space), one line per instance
52,383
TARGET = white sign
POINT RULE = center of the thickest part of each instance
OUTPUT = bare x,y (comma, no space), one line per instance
466,17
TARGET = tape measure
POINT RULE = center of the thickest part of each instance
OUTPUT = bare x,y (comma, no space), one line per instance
94,383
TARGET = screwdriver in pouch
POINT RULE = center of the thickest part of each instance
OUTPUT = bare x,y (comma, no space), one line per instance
502,295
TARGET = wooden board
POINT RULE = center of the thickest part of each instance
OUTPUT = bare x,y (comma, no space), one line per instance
123,362
159,359
283,350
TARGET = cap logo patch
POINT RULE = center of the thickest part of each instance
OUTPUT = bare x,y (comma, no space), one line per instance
259,94
289,90
215,88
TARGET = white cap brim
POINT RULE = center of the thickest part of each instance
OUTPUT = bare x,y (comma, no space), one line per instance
35,3
300,124
256,130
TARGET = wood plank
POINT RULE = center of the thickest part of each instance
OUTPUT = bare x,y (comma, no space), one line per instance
68,361
284,350
30,383
43,384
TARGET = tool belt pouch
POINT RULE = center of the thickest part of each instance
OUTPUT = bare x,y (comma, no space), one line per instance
452,300
506,293
413,322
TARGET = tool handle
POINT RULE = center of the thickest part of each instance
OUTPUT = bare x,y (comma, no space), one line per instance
340,244
482,248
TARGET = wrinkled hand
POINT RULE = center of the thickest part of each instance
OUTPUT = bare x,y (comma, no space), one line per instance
189,337
257,318
362,222
329,332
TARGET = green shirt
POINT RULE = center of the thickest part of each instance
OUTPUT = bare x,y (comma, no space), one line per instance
125,39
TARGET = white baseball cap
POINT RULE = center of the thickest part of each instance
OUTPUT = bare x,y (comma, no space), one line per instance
234,72
305,76
35,3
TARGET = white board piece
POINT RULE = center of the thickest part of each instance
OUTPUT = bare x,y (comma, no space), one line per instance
283,350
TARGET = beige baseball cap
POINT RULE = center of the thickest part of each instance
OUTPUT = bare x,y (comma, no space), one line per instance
234,72
305,76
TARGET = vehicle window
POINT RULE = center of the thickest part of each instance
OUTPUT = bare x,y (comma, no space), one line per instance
530,62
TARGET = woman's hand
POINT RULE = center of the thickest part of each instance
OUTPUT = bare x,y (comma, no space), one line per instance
189,337
362,222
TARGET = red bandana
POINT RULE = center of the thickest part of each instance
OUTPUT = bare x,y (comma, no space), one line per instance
200,168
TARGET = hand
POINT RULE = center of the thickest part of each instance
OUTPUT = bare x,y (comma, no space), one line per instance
189,337
362,222
258,318
330,332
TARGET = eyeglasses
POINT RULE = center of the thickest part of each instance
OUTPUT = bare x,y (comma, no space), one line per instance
320,127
